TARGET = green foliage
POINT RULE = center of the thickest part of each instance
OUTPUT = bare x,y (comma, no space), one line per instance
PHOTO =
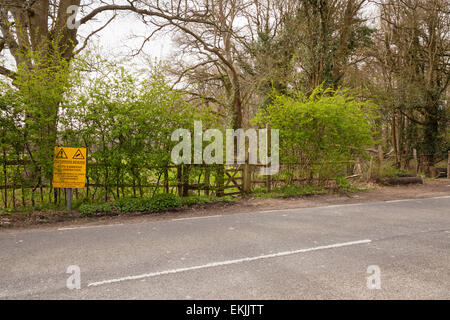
6,211
391,172
224,199
293,190
126,205
29,111
164,201
93,209
199,200
322,131
131,204
157,203
344,185
126,121
289,191
195,200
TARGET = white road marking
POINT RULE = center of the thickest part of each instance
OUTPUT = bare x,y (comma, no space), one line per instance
228,262
399,200
418,199
88,227
341,205
193,218
351,204
320,207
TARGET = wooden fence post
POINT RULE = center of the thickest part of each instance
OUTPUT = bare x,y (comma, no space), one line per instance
185,180
369,174
268,183
246,178
432,171
14,192
358,169
416,163
220,181
5,172
179,181
269,143
379,161
166,180
207,181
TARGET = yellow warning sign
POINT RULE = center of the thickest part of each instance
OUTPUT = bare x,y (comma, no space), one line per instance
69,167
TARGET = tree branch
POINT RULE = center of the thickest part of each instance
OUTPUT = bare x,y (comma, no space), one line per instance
8,73
132,8
93,33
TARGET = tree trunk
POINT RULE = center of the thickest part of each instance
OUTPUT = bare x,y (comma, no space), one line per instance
431,131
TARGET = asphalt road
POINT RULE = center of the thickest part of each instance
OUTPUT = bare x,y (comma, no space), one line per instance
308,253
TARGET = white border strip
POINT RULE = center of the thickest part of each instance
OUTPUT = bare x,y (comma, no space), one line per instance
89,227
228,262
352,204
194,218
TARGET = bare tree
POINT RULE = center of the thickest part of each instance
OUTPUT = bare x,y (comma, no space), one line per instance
214,39
414,56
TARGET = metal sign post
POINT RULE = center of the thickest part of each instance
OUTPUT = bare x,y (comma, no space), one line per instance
69,199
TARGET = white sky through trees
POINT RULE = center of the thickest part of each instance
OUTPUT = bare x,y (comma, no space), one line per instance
125,35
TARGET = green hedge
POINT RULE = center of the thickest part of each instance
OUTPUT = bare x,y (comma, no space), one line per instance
157,203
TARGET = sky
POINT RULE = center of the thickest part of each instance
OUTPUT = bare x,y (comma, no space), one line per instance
119,39
124,35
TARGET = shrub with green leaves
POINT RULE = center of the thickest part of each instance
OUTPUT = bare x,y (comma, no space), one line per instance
293,190
126,205
289,191
93,209
391,172
164,201
193,200
343,184
130,204
157,203
322,131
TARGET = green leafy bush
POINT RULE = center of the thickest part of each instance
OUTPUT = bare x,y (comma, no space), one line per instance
391,172
126,205
96,208
289,191
343,184
223,199
130,204
163,201
193,200
294,190
321,132
158,202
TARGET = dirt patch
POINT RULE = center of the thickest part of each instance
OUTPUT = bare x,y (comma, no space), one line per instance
39,219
